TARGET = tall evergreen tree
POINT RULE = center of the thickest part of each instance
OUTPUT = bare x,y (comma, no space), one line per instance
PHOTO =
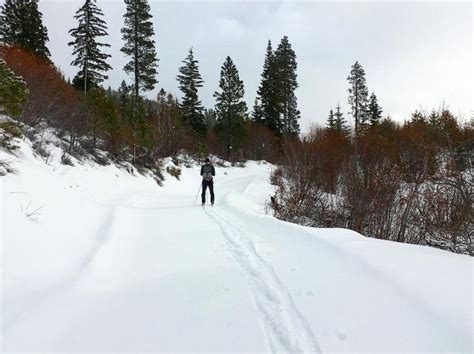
209,118
138,34
21,24
358,97
89,56
293,116
124,91
285,60
139,45
257,112
13,91
231,109
190,81
125,103
267,92
330,122
374,110
340,124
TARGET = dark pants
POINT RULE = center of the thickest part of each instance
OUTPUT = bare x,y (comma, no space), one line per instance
206,184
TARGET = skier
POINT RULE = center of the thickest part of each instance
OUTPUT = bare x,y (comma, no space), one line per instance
207,173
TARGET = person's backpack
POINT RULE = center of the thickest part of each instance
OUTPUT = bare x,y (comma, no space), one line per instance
207,172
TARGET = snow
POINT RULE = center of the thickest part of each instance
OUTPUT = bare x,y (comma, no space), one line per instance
112,262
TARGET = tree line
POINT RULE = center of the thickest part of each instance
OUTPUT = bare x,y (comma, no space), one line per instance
227,129
410,182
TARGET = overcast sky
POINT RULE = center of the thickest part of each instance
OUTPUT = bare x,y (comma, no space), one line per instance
416,55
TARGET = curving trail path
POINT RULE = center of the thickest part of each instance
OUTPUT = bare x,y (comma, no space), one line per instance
159,274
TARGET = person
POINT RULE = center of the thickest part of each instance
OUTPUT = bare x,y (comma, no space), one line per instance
207,173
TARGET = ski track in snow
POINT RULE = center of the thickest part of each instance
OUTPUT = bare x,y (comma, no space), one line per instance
287,331
102,235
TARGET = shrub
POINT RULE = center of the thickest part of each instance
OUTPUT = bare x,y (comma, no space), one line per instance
174,171
66,159
50,97
13,91
9,131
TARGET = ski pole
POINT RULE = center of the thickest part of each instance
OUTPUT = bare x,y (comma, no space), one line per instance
195,199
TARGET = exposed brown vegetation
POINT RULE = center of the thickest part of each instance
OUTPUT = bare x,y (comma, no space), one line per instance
409,183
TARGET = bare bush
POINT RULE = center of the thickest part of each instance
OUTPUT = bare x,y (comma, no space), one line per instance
411,184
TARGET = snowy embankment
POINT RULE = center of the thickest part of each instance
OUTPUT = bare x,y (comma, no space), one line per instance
95,259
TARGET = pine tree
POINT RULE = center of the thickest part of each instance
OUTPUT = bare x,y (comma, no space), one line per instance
358,98
374,110
285,59
124,91
190,80
21,24
330,125
257,112
13,91
89,57
340,124
231,109
139,45
125,101
209,118
267,93
293,115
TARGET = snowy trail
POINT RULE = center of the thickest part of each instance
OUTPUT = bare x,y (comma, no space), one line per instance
116,264
56,289
146,282
287,331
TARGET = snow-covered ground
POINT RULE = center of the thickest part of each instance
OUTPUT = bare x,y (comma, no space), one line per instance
97,260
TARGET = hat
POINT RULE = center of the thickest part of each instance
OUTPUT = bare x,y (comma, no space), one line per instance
207,160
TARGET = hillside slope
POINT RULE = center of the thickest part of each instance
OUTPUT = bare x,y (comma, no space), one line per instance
95,259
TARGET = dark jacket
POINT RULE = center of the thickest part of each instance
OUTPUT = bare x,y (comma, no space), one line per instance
207,172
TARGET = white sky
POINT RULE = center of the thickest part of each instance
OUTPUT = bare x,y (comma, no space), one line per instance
416,55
